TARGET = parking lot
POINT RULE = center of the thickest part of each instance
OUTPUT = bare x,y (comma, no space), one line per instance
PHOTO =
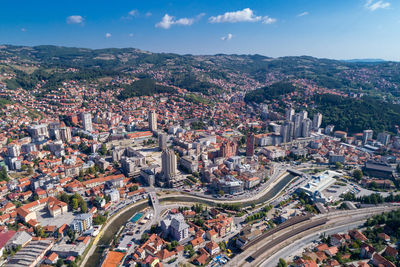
44,218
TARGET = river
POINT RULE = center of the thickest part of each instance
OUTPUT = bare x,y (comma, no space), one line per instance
112,230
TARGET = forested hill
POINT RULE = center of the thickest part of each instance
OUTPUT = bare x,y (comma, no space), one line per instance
207,74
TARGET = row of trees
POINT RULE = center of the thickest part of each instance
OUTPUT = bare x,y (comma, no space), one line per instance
371,199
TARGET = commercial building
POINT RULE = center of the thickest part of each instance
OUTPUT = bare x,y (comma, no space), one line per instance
229,185
333,158
175,226
378,169
190,164
20,239
30,255
319,183
273,152
82,222
149,174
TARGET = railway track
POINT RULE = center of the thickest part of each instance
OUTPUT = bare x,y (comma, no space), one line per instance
274,242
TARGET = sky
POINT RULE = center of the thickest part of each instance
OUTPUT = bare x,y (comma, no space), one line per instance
337,29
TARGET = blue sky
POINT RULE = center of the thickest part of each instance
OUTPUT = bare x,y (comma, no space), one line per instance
340,29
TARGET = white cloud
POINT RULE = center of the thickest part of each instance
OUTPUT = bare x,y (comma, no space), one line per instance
133,12
130,35
23,30
237,16
148,14
245,15
184,21
227,37
167,21
268,20
372,5
108,35
303,14
75,19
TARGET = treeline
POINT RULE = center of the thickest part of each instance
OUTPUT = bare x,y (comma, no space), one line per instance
193,84
143,87
4,102
270,92
55,79
233,206
371,199
391,219
355,115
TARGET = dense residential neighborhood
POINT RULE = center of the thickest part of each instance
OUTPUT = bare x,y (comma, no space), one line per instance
94,172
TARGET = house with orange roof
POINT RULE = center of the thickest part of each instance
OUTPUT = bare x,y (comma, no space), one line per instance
211,235
212,248
113,259
197,242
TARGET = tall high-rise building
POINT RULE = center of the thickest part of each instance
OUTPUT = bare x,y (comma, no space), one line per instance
54,130
13,150
306,127
383,138
228,149
38,130
329,129
251,139
87,121
285,132
168,164
289,114
152,120
317,121
162,141
298,120
367,135
303,114
65,134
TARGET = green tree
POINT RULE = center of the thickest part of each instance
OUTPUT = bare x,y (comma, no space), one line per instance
83,206
103,150
74,204
282,263
221,192
4,175
30,170
144,237
357,174
338,165
71,234
60,262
